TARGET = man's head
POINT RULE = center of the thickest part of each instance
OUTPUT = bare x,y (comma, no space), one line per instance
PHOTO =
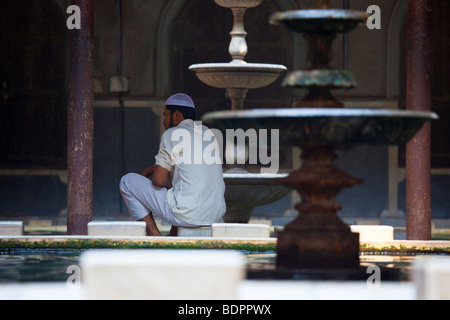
179,107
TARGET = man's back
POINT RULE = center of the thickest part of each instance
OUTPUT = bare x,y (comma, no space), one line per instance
197,195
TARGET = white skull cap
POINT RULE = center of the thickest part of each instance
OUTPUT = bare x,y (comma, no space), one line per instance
180,99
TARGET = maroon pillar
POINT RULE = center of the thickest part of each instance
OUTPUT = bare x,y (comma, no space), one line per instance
80,122
418,97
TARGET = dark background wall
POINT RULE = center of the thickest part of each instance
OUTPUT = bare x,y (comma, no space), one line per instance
159,43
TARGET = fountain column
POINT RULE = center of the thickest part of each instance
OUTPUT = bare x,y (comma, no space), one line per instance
318,238
238,46
322,4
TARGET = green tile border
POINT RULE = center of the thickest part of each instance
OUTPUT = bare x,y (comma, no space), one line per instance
56,242
406,247
399,247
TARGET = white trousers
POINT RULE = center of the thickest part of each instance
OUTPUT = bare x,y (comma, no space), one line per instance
142,197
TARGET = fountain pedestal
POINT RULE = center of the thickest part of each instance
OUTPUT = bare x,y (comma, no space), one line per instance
318,238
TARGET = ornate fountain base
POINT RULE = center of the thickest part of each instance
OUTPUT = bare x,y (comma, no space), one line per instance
317,241
317,238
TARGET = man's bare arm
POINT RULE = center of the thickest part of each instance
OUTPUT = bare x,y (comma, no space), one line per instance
148,172
161,177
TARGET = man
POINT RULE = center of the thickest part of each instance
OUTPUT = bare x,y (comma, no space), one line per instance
181,192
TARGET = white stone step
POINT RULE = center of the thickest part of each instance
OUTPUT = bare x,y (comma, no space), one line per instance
432,277
195,232
11,228
270,290
374,233
240,230
162,274
117,228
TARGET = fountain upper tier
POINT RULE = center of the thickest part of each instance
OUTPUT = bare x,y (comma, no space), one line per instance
319,28
236,75
320,21
237,78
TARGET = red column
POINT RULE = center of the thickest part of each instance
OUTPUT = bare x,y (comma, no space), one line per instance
418,97
80,122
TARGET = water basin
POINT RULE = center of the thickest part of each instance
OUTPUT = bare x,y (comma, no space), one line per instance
51,265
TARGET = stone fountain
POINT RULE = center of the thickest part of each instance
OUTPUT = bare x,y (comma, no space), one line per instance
318,239
244,190
238,76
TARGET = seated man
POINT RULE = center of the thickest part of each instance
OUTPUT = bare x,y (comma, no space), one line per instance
181,192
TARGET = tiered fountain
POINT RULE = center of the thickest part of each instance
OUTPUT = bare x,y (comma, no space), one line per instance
238,76
317,238
244,190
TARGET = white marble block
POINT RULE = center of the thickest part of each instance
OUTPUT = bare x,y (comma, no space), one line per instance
194,232
240,230
11,228
117,228
374,233
432,277
162,274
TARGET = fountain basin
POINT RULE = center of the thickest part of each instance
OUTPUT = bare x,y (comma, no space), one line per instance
237,75
244,191
330,127
320,21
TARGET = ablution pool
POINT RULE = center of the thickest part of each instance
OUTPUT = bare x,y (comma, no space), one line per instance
52,265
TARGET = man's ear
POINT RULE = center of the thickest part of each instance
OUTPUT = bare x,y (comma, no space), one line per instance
178,117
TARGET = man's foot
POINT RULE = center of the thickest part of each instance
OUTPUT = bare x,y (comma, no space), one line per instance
151,228
173,232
